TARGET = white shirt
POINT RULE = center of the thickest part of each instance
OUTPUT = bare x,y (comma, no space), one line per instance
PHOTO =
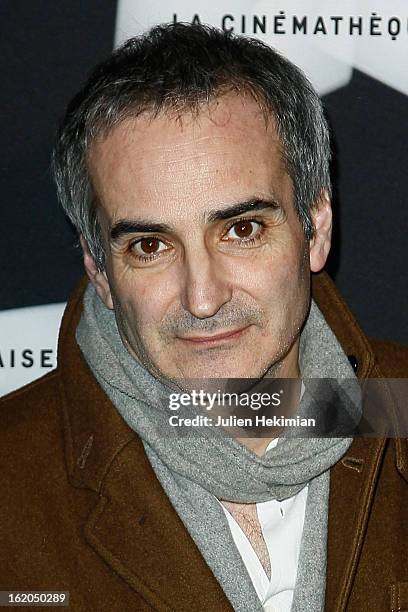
282,527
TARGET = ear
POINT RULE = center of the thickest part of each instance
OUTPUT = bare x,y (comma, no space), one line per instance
97,277
320,243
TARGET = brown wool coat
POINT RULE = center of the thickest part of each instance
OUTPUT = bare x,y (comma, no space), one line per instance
82,511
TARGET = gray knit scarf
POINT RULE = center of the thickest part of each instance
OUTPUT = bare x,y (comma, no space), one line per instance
194,470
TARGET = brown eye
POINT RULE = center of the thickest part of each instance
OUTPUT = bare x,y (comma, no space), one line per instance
243,230
148,246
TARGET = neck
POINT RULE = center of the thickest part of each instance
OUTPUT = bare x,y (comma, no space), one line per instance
287,368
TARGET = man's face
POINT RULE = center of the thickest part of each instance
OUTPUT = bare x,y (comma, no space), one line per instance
207,264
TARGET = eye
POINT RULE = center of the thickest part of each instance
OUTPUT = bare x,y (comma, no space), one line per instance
148,246
243,230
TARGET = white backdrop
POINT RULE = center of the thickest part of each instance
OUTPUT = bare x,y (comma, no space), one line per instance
28,341
326,38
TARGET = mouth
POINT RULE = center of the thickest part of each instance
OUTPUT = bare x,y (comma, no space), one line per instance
216,339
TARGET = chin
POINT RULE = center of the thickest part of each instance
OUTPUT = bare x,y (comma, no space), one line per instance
219,372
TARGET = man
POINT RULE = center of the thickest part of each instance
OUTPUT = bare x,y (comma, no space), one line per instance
194,166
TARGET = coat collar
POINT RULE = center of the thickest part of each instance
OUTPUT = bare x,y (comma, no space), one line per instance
353,479
134,526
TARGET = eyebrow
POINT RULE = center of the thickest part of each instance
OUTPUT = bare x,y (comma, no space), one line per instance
129,226
241,208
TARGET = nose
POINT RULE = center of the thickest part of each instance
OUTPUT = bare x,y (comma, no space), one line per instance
205,286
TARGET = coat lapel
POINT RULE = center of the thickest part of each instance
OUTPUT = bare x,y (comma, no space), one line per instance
352,485
133,525
136,530
353,479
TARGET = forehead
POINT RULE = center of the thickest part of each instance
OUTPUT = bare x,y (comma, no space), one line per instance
170,165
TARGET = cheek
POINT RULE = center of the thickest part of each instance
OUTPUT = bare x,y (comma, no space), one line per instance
143,299
275,276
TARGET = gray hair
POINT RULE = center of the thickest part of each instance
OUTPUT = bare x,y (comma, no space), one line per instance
177,67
